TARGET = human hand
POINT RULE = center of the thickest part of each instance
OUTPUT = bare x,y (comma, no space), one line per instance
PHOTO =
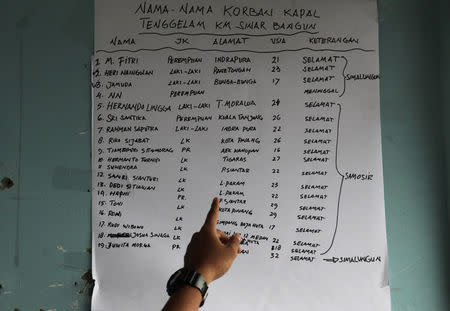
211,252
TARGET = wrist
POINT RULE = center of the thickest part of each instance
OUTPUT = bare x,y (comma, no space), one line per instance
206,274
186,278
184,298
188,289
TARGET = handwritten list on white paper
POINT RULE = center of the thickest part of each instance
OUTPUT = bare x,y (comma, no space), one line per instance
273,106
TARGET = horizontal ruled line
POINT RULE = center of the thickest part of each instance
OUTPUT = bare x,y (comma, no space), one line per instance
228,34
234,51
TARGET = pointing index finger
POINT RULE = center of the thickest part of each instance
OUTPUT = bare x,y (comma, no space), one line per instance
213,216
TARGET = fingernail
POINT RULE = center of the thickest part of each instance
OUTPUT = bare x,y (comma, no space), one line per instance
239,236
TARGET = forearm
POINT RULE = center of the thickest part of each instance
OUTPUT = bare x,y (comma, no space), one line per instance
208,256
185,298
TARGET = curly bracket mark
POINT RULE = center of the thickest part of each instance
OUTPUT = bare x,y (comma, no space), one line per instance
343,74
341,182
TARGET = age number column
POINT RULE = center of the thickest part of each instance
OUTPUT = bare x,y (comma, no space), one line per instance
276,139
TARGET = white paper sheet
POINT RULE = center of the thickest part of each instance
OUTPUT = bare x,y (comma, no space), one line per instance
271,105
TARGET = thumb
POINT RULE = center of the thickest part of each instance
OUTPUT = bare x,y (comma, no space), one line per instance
234,243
